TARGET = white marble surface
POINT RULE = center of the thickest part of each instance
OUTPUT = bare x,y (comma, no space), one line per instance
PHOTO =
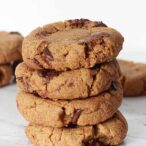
12,124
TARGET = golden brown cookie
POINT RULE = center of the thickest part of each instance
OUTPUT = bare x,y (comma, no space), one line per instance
71,44
62,113
110,132
6,74
80,83
10,47
134,78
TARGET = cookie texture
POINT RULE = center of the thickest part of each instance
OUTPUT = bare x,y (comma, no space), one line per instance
10,47
110,132
62,113
71,44
6,74
80,83
134,78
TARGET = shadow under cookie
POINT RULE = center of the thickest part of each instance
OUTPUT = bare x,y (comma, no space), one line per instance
110,132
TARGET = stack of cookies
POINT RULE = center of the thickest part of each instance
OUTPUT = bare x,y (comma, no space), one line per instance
10,55
71,85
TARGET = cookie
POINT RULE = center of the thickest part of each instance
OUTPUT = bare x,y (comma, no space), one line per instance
62,113
134,78
6,74
70,45
10,47
110,132
73,84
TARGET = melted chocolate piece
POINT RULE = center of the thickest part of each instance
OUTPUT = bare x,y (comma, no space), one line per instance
100,24
77,22
14,32
47,54
70,84
77,113
92,41
93,142
101,35
82,22
48,74
37,63
42,33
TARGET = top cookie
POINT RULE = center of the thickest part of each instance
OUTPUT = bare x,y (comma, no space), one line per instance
71,44
134,78
10,46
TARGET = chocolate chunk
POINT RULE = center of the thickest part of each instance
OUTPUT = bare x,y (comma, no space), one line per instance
76,115
101,35
14,32
92,41
37,63
52,74
77,23
42,33
70,84
93,142
48,74
47,54
100,24
42,73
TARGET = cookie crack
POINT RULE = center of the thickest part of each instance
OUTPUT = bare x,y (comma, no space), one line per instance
60,138
50,137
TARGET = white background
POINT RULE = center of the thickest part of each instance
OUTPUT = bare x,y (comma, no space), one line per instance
127,16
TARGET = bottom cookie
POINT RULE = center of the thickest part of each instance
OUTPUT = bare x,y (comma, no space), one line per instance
6,74
110,132
134,78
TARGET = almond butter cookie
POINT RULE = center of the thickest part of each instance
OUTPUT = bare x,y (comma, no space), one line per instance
71,44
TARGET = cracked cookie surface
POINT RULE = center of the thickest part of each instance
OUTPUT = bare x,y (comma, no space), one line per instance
80,83
63,113
110,132
71,44
10,47
6,73
134,78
